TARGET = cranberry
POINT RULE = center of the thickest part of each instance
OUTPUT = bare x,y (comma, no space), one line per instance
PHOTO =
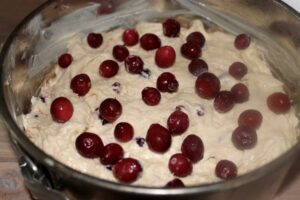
127,170
190,50
171,28
193,148
108,68
175,183
123,132
166,82
178,122
65,60
111,154
61,110
240,93
251,118
242,41
120,52
89,145
130,37
151,96
244,137
207,85
165,56
158,138
224,101
196,37
238,70
81,84
134,64
105,7
150,41
198,67
226,169
279,103
180,165
110,109
95,40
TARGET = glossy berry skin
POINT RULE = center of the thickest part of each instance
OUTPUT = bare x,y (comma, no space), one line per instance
242,41
226,169
224,101
207,85
105,7
150,41
134,64
127,170
171,28
178,122
279,103
190,50
244,137
81,84
111,154
94,40
250,118
110,110
89,145
240,93
193,148
180,165
158,138
165,56
197,67
124,132
120,52
151,96
238,70
65,60
61,110
166,82
130,37
175,183
108,68
196,37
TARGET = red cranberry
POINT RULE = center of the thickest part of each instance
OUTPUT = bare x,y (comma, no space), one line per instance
123,132
198,67
196,37
193,148
65,60
158,138
151,96
61,110
127,170
111,154
89,145
108,68
207,85
150,41
180,165
165,56
171,28
178,122
166,82
226,169
120,52
81,84
224,101
279,103
105,7
95,40
130,37
110,109
251,118
238,70
190,50
242,41
175,183
240,93
244,137
134,64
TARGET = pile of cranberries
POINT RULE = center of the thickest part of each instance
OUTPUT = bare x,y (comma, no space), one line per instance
159,138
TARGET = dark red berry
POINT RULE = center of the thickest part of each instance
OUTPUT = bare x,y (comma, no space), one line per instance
95,40
226,169
279,103
193,148
238,70
151,96
171,28
89,145
165,56
65,60
207,85
61,110
191,50
111,154
224,101
198,67
196,37
240,93
110,109
178,122
244,137
105,7
166,82
127,170
134,64
242,41
175,183
120,52
251,118
108,68
180,165
81,84
130,37
150,41
158,138
123,132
